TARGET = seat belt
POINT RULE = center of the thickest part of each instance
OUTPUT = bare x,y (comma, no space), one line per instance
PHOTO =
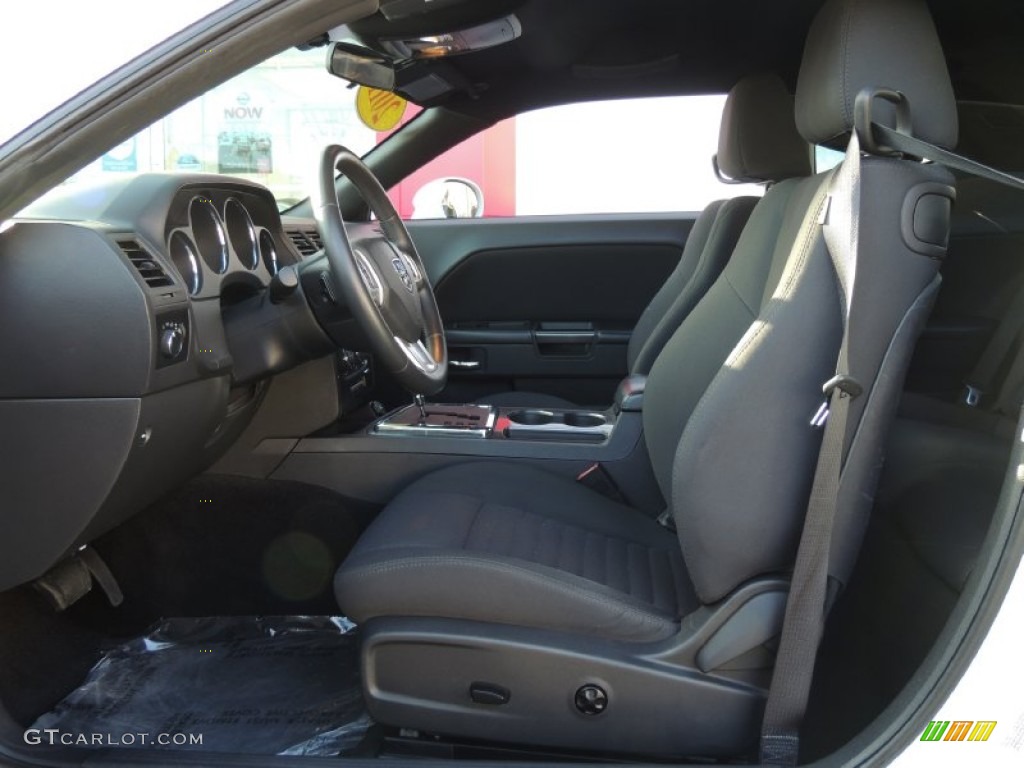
806,607
809,598
1001,347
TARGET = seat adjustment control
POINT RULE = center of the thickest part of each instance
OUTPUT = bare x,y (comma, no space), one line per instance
489,693
591,700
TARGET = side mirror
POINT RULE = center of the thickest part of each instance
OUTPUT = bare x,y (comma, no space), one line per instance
361,66
448,198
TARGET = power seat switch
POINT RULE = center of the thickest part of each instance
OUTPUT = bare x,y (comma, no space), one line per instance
489,693
591,700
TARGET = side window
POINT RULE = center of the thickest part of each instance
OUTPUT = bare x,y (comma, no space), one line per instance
626,156
825,159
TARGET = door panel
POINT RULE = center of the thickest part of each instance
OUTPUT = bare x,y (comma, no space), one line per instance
545,303
982,272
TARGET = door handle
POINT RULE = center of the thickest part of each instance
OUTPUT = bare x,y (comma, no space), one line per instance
564,337
466,365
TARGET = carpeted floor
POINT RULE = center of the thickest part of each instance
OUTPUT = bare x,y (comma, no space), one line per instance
219,546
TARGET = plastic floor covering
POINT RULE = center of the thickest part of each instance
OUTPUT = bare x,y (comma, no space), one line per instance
285,686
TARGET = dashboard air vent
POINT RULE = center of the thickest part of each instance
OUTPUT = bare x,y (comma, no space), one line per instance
307,241
150,270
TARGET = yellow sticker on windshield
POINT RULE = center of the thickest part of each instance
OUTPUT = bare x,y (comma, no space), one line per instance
379,110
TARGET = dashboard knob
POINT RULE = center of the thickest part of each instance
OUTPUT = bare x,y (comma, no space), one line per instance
172,341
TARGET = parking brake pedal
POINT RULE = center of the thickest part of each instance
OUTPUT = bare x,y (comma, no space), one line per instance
71,580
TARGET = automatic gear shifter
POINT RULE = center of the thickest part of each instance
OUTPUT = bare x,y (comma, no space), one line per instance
421,404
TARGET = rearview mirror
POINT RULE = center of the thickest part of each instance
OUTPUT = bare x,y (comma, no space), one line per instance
361,66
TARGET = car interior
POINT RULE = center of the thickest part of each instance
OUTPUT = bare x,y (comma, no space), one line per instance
327,481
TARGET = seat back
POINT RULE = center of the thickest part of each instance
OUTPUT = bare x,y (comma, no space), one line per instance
729,401
758,143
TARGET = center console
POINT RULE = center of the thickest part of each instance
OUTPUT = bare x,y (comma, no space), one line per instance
421,437
490,422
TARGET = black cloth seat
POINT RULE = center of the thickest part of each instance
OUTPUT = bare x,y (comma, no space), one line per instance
514,544
771,153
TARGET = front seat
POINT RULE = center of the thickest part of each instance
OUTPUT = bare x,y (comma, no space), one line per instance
758,143
503,601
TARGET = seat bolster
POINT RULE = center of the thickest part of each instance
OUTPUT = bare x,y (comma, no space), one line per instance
445,583
719,242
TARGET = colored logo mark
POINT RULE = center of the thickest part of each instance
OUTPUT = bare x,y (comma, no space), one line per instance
958,730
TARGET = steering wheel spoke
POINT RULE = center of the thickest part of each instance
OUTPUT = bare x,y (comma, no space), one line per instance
418,354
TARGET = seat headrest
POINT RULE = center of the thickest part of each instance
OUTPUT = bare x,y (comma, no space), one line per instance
758,140
857,44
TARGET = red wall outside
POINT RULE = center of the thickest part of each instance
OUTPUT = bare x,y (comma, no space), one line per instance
488,158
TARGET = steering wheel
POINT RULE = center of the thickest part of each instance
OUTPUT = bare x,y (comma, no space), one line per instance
382,279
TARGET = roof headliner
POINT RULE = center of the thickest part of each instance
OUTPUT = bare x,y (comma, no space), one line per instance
599,49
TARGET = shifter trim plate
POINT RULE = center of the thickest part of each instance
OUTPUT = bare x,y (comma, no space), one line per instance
442,420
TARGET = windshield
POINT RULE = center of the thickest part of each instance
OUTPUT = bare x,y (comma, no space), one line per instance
267,125
106,34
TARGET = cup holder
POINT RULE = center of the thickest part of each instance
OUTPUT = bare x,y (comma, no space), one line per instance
583,420
531,418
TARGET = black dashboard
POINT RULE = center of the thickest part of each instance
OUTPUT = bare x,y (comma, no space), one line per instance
116,302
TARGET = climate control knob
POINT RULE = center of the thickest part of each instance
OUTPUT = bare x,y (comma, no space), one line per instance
172,341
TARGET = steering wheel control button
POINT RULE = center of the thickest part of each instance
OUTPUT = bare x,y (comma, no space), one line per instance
591,700
414,271
371,280
404,274
489,694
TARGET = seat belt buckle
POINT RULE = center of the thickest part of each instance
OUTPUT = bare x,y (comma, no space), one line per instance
846,384
596,478
972,396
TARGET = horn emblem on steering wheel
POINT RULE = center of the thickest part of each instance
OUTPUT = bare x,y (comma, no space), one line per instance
403,274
